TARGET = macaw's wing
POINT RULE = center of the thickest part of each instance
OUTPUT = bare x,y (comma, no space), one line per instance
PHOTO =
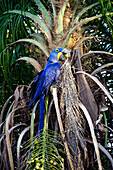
51,74
48,76
32,88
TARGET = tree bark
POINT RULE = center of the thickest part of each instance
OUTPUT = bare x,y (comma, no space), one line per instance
85,92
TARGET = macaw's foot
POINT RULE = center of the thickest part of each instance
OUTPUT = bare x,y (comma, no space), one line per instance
55,85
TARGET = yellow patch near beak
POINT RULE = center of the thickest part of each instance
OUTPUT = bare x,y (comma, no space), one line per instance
66,55
59,54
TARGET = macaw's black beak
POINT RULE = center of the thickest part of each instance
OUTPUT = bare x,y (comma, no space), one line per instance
64,54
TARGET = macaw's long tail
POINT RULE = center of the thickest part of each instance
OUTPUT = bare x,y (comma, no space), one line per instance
41,118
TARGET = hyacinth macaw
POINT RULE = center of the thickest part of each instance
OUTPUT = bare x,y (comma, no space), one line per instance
46,78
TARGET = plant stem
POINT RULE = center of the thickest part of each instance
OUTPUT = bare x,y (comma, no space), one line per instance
44,131
106,133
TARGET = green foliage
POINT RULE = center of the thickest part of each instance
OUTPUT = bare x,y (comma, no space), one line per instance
46,151
11,73
12,28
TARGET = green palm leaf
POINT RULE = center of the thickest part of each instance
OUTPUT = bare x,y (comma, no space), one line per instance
39,37
54,11
83,11
44,152
60,18
36,19
44,12
37,43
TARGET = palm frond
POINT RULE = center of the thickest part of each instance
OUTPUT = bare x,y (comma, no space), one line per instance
45,13
36,19
32,121
100,68
32,61
59,29
106,153
83,11
38,37
44,152
92,133
82,22
37,43
8,138
99,84
54,10
19,144
97,52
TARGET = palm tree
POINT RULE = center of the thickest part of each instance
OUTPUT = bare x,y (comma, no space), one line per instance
47,26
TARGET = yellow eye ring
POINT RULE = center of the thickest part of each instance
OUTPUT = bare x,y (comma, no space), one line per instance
57,50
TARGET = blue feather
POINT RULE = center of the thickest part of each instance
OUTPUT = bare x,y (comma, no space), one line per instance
45,79
41,118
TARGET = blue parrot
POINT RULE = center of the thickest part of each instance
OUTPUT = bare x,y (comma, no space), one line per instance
45,79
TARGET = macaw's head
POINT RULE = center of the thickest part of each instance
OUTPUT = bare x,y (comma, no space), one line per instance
59,54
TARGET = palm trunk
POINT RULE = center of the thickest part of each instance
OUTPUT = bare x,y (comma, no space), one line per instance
85,92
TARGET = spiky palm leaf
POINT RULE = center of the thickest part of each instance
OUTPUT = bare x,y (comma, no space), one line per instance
46,152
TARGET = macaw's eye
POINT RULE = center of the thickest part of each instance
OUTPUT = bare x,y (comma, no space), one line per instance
57,50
